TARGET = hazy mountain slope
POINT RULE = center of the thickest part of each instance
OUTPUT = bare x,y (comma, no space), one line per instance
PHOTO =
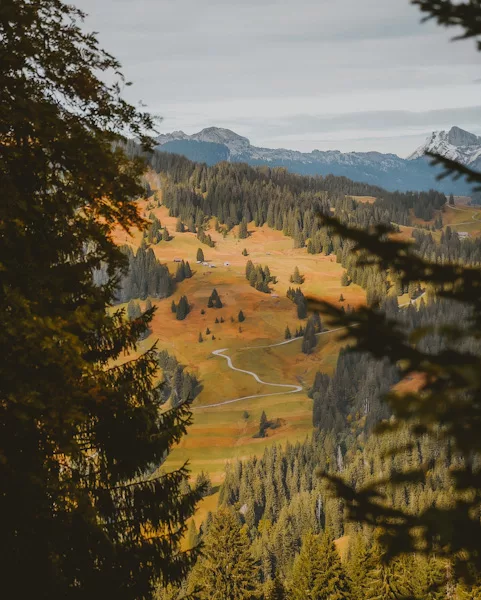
214,144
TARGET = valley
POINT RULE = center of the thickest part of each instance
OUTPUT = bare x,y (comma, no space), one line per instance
248,368
222,433
236,372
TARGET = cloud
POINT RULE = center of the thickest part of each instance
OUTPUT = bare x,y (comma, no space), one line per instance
283,69
374,121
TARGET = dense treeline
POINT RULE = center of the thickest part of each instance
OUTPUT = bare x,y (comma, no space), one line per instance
279,511
234,192
296,296
183,271
283,522
178,385
286,515
450,247
145,276
353,393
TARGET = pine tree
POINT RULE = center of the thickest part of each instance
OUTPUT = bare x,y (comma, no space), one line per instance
243,233
180,273
296,277
341,298
187,270
214,300
287,333
80,426
430,578
447,404
207,331
240,317
203,484
345,279
316,322
386,581
357,566
309,341
263,425
334,582
274,590
193,537
308,571
451,200
200,255
302,308
179,226
183,309
244,252
173,307
165,235
227,570
216,319
201,339
133,310
249,269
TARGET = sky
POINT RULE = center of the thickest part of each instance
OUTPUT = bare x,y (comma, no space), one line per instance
350,75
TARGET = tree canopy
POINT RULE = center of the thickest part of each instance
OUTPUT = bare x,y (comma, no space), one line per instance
446,407
83,512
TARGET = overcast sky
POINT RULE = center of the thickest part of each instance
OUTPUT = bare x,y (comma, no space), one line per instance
301,74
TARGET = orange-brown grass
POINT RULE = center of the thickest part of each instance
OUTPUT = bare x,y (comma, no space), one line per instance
413,383
342,546
364,199
404,234
224,433
463,218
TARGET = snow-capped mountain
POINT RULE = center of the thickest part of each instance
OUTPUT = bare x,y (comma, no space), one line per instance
455,144
215,144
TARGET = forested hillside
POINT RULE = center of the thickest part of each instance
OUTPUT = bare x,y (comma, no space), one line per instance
277,508
236,194
223,381
279,501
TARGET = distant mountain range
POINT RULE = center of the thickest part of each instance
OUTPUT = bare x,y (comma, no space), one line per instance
214,144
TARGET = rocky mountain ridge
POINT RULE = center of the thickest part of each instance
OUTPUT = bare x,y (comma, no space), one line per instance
215,144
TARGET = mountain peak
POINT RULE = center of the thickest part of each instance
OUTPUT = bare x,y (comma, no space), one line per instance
459,137
455,144
236,144
218,135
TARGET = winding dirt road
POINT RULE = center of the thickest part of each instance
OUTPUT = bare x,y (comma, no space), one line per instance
473,216
293,389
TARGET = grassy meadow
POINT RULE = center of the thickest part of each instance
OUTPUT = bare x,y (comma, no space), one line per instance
227,432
